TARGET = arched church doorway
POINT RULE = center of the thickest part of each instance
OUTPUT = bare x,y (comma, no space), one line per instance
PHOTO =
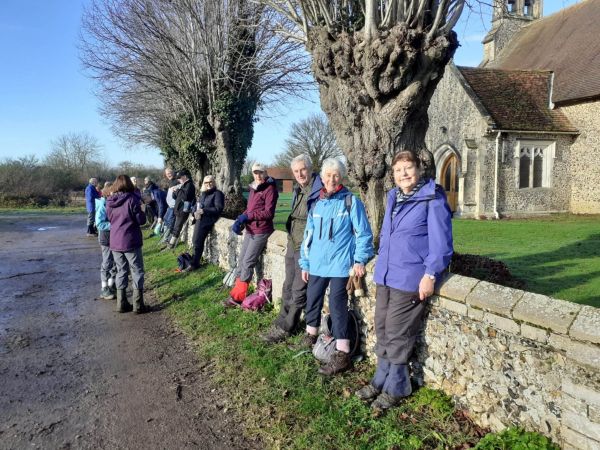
449,180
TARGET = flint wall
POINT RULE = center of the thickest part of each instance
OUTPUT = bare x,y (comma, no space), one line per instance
508,356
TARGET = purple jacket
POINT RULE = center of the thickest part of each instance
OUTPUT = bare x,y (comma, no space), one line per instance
417,241
125,215
261,207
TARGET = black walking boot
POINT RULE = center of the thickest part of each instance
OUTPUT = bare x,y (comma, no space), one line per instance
123,305
138,302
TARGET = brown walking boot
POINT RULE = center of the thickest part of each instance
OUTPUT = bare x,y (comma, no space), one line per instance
339,362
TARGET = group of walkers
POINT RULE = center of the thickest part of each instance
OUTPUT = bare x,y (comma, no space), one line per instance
329,239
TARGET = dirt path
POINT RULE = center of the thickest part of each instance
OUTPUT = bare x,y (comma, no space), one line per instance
75,374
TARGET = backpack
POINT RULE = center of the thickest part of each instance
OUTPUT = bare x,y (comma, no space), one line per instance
257,301
325,345
184,261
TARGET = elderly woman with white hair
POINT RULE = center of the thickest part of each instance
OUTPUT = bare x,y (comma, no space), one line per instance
337,238
209,207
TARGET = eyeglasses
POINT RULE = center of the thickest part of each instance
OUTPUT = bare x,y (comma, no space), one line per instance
208,182
257,172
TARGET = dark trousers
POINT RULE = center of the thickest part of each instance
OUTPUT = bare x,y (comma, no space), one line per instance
252,247
201,231
180,220
338,303
293,293
397,323
91,222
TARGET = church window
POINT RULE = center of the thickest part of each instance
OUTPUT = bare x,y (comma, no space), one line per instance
535,160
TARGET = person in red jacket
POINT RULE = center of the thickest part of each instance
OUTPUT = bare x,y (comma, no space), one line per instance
257,220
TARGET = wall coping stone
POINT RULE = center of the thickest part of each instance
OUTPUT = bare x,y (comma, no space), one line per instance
581,392
456,287
586,326
495,298
547,312
586,354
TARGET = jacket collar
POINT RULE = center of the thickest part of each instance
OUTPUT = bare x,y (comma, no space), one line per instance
427,192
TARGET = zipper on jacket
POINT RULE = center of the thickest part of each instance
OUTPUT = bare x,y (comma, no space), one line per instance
331,229
320,228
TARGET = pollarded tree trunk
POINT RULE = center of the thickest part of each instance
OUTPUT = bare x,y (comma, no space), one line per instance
376,94
227,169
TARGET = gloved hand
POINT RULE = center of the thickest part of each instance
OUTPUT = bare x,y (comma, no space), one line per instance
237,227
242,218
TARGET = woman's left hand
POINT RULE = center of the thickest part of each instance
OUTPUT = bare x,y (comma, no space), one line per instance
359,270
425,287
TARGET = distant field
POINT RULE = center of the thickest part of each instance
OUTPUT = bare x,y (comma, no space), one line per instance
49,210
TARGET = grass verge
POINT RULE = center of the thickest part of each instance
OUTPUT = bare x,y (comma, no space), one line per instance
45,210
283,400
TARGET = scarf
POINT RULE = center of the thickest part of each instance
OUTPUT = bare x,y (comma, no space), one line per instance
324,194
401,197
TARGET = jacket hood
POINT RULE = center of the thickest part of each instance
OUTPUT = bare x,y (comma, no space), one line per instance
262,186
114,201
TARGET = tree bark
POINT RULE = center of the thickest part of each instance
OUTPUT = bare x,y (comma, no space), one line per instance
376,94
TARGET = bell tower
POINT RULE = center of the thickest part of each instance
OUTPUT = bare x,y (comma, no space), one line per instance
508,17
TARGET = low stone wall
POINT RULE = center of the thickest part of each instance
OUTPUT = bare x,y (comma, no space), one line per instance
508,356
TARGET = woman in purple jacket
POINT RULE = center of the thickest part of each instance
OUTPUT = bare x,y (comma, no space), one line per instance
415,248
126,214
257,220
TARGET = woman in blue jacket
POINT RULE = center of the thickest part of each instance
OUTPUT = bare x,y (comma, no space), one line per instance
107,269
337,238
415,248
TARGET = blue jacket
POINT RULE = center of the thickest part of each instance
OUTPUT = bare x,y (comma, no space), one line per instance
91,194
160,197
334,239
102,222
417,241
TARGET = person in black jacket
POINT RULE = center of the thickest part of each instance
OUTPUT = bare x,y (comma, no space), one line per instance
184,196
208,210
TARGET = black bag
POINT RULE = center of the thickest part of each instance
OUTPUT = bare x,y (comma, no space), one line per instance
184,261
325,345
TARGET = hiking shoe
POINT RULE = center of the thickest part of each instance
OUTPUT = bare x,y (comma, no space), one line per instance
274,335
385,401
107,294
367,393
339,362
190,268
230,303
308,341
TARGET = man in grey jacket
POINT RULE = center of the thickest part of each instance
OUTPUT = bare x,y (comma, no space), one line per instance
293,294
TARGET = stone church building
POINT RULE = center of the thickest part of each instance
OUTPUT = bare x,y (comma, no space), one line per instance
520,134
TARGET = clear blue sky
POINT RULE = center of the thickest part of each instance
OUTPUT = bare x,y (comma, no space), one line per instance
44,92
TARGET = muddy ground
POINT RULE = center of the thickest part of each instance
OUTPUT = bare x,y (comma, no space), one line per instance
75,374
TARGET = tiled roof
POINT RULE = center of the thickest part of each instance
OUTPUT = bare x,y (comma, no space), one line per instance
566,43
516,99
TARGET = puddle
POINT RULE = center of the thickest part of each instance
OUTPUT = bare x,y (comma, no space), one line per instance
45,228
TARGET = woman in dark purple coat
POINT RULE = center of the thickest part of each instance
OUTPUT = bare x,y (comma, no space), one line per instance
126,214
